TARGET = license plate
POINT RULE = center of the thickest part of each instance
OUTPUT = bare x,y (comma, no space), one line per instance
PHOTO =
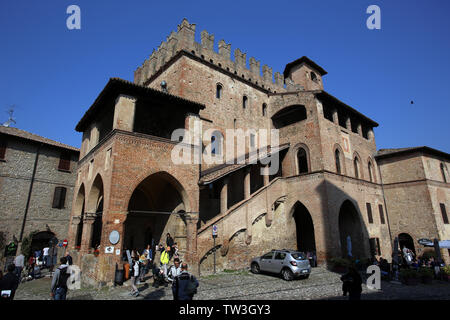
305,271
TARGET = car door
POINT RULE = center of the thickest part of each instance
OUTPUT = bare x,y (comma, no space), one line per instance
277,261
266,261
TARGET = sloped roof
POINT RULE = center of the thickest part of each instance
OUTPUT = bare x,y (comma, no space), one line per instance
34,137
117,86
386,153
305,60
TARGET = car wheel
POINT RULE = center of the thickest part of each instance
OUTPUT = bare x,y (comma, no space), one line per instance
287,274
306,276
255,268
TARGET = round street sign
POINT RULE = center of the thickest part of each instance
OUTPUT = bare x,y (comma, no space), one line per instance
214,231
64,243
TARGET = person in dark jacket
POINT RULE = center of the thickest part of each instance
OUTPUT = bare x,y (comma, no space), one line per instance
169,243
59,281
9,283
352,284
181,284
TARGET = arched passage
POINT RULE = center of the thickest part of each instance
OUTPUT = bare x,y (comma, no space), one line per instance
95,205
405,240
350,231
79,212
306,241
155,209
41,240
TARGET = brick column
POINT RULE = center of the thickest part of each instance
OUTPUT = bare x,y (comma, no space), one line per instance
224,196
247,183
73,230
191,239
86,237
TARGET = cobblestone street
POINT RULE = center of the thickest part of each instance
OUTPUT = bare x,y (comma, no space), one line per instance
243,285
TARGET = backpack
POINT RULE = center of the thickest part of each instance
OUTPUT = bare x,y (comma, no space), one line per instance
63,277
191,287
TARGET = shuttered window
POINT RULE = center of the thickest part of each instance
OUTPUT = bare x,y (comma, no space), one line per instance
380,208
64,161
369,212
2,148
59,197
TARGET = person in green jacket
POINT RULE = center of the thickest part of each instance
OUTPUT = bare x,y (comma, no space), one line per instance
164,260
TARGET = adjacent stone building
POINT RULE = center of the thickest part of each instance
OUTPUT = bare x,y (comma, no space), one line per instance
37,178
328,189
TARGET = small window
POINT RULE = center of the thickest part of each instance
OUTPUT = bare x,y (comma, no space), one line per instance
302,161
216,143
64,161
244,102
369,212
356,166
380,208
313,76
337,156
443,173
3,145
328,113
264,110
444,213
219,91
59,197
280,256
369,167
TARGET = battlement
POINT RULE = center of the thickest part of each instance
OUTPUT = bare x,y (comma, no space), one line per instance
184,39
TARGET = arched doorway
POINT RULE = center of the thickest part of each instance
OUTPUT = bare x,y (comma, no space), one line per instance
350,231
79,212
153,212
405,240
41,240
304,226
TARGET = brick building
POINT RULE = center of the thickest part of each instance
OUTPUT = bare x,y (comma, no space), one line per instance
328,186
37,179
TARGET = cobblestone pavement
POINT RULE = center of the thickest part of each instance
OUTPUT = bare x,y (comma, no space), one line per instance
243,285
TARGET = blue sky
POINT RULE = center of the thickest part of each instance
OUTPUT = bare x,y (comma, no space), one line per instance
54,74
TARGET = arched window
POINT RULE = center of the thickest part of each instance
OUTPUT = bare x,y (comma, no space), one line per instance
356,166
443,172
264,109
216,143
302,160
244,102
337,156
369,167
218,91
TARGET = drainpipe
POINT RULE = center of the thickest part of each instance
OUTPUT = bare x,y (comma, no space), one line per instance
29,192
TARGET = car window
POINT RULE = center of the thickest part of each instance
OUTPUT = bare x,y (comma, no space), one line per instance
267,255
280,256
298,255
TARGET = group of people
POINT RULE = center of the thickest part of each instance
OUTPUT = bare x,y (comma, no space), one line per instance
183,284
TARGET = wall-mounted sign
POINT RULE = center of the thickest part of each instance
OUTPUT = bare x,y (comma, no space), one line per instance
114,237
109,249
214,231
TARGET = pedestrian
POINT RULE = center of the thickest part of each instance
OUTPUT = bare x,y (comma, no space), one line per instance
169,243
149,255
142,264
69,258
19,262
45,256
59,281
164,260
352,284
174,270
184,285
158,277
9,283
134,277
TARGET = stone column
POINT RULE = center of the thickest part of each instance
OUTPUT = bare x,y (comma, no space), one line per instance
73,232
335,117
191,240
359,128
86,237
247,183
266,175
224,196
124,113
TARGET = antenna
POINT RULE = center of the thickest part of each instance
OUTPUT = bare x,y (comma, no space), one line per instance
10,118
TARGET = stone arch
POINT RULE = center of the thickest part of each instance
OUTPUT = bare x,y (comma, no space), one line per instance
351,225
158,204
307,166
41,240
289,115
95,193
95,203
78,211
405,240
